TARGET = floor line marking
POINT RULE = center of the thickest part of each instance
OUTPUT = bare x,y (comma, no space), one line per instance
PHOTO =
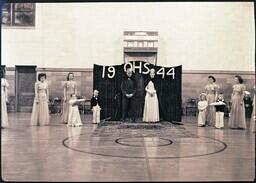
147,161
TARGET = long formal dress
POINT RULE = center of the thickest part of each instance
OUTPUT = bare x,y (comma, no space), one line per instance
202,107
151,106
70,88
4,116
237,113
40,112
211,91
74,118
253,117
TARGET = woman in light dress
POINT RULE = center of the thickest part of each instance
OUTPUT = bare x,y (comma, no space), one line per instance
151,106
40,112
4,100
237,113
202,108
211,90
74,118
70,87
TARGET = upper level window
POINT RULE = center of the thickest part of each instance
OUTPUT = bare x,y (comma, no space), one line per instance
18,14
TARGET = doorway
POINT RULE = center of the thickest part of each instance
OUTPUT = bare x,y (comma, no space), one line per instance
24,86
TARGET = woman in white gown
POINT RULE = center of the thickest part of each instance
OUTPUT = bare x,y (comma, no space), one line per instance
151,106
4,100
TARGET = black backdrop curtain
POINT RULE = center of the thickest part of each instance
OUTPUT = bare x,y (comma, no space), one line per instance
107,80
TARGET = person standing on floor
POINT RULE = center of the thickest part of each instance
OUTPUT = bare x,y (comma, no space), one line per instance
74,118
237,113
151,106
40,112
70,87
202,108
4,100
211,90
95,107
128,88
220,111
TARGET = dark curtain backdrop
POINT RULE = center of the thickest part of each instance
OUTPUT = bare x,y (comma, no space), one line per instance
168,91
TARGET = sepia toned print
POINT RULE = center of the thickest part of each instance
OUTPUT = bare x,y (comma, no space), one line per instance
128,91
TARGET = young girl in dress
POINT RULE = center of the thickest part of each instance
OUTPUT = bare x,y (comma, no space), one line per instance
202,107
70,87
4,100
151,106
40,111
74,118
95,107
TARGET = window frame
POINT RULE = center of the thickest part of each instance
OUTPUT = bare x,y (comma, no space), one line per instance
12,24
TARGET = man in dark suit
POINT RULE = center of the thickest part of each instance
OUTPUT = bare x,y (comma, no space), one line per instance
128,88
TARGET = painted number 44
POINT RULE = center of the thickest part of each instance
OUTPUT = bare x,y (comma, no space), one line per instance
170,72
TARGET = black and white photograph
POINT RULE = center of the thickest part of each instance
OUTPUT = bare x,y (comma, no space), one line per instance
127,91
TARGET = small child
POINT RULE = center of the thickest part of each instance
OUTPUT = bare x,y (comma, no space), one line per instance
74,118
202,107
95,107
220,111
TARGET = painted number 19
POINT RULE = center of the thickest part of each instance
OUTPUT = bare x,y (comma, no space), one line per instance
111,72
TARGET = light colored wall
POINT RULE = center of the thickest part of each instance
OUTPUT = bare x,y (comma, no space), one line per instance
199,36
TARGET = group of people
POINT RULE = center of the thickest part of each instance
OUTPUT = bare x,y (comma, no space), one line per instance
70,115
151,105
40,111
212,104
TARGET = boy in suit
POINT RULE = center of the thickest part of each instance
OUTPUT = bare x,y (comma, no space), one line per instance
95,107
220,111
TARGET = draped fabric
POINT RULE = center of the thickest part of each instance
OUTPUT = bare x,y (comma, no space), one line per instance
107,80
